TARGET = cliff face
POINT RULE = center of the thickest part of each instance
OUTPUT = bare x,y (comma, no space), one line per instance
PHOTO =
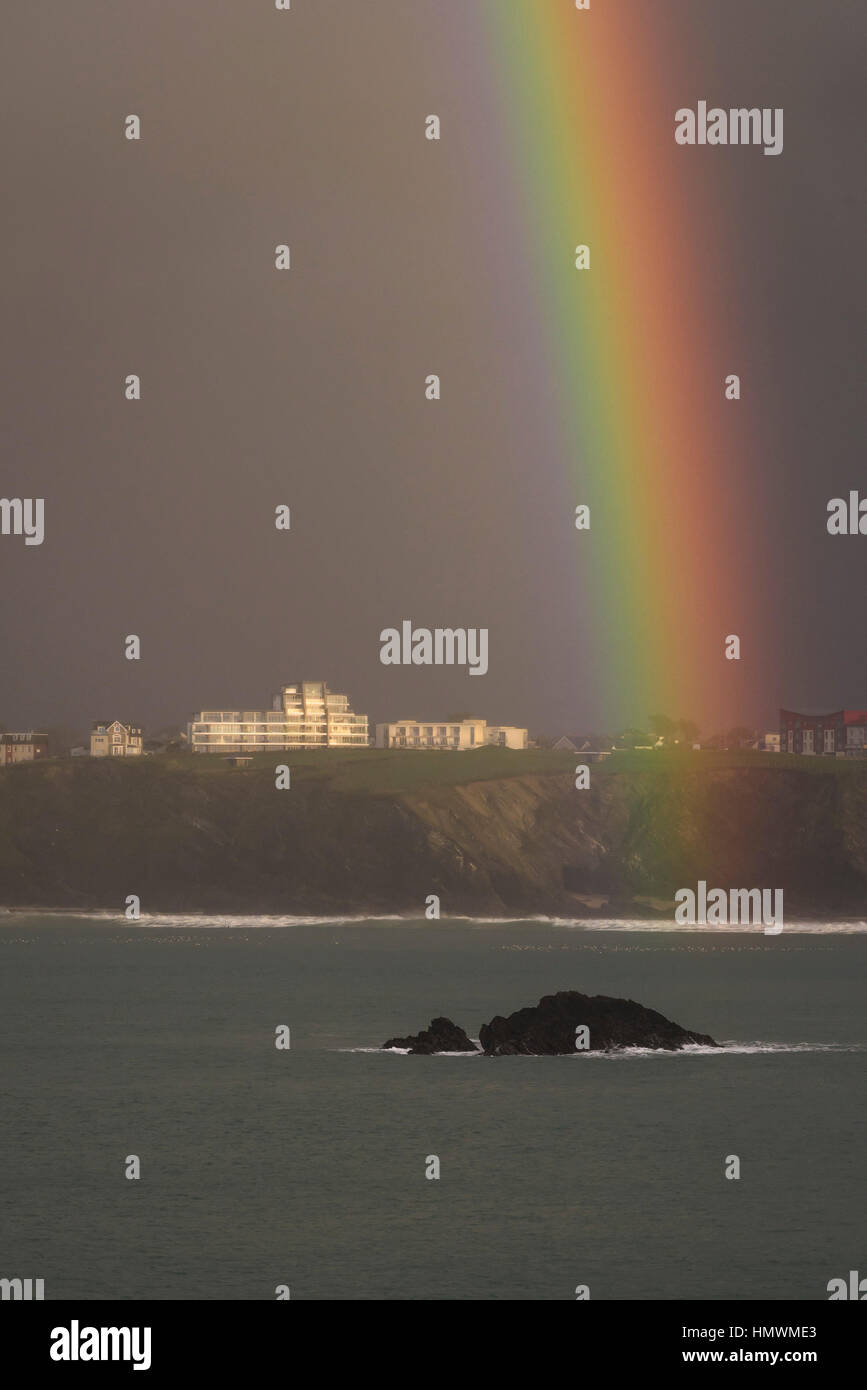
88,834
637,835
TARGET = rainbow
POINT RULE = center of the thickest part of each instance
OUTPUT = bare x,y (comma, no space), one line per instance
632,351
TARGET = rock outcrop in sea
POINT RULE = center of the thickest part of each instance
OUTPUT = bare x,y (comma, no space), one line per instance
560,1023
442,1036
551,1027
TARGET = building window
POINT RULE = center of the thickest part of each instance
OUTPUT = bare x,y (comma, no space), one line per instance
807,737
829,740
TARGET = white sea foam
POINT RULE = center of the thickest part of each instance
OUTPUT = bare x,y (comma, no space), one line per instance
200,919
724,1049
250,921
405,1052
626,1053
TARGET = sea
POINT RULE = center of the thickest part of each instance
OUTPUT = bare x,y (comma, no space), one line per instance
329,1169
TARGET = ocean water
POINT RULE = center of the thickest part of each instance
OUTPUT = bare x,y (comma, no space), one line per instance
307,1167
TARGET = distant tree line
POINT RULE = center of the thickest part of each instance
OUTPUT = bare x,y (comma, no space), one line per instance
664,731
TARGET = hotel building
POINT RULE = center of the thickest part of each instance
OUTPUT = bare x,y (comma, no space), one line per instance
306,715
842,734
455,733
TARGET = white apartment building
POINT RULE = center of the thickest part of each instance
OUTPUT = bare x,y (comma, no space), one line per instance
113,739
456,733
306,715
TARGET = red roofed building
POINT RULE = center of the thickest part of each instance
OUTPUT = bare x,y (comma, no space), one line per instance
842,734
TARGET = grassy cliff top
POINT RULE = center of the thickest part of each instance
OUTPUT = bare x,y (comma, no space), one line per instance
383,771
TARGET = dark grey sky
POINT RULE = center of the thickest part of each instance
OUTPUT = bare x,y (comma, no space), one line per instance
307,388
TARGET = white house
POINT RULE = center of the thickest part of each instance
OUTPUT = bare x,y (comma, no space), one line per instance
115,740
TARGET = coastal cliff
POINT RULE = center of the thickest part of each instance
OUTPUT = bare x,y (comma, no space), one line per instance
491,833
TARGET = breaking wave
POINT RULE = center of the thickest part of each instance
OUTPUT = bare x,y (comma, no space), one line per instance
626,1053
250,921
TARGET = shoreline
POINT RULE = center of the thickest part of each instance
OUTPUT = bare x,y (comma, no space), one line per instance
851,924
